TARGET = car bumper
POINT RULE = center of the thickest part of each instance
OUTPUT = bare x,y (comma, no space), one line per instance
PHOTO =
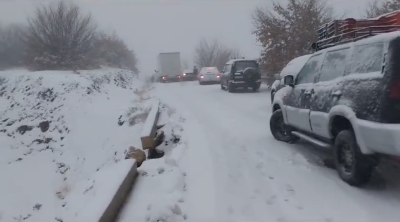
171,79
210,80
189,77
245,84
379,137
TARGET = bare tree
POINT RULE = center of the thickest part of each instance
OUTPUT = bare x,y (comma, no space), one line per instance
288,30
376,8
11,46
60,37
213,53
112,51
224,55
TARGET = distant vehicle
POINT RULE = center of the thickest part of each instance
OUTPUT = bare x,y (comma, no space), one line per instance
241,73
169,66
188,75
292,68
346,98
209,75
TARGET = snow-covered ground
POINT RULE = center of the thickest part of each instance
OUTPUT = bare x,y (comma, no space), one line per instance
228,167
62,135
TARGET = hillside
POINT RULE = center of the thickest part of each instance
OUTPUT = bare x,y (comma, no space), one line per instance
58,131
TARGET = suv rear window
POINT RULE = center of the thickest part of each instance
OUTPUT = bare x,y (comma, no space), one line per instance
242,65
367,58
212,70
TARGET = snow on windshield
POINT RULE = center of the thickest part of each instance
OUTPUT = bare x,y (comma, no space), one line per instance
294,66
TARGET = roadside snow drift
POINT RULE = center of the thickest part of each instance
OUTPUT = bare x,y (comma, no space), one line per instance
57,129
159,193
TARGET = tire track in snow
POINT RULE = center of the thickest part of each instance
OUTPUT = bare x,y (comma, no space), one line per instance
241,185
200,178
273,179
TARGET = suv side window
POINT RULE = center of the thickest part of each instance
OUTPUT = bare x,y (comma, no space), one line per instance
334,64
309,70
367,58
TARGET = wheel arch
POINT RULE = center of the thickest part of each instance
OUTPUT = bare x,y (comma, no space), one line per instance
278,104
342,117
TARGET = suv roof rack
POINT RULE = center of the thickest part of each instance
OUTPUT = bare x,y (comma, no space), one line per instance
339,32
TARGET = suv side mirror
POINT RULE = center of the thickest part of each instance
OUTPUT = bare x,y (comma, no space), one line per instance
289,80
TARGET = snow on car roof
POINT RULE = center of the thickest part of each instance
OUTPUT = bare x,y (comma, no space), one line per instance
295,65
236,60
384,37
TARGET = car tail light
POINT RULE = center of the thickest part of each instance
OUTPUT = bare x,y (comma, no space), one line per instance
184,74
179,77
394,91
218,75
201,76
164,77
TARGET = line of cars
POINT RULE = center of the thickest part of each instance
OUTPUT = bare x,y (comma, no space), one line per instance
236,73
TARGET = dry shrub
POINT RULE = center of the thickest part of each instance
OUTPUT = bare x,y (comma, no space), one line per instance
60,37
137,115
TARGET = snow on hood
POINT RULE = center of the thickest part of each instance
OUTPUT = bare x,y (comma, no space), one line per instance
58,128
295,65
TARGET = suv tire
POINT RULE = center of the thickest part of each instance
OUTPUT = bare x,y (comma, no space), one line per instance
279,129
352,166
255,88
231,88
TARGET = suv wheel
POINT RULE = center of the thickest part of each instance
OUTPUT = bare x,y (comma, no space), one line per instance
280,130
231,88
255,88
353,167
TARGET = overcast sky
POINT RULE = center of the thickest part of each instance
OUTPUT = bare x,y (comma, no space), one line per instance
153,26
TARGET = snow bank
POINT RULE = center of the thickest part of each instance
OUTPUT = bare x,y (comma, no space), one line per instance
159,193
57,129
103,186
149,123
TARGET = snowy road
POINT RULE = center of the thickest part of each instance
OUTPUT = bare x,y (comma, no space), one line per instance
237,171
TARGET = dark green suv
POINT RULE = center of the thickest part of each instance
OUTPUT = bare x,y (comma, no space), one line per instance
241,73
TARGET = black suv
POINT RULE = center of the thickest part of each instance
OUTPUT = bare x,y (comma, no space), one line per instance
346,97
241,73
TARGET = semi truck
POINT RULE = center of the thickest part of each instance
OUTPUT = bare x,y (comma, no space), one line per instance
169,67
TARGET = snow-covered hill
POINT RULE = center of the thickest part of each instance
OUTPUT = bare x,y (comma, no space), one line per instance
58,130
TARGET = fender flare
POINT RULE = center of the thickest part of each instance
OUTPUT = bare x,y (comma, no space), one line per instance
278,101
348,113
